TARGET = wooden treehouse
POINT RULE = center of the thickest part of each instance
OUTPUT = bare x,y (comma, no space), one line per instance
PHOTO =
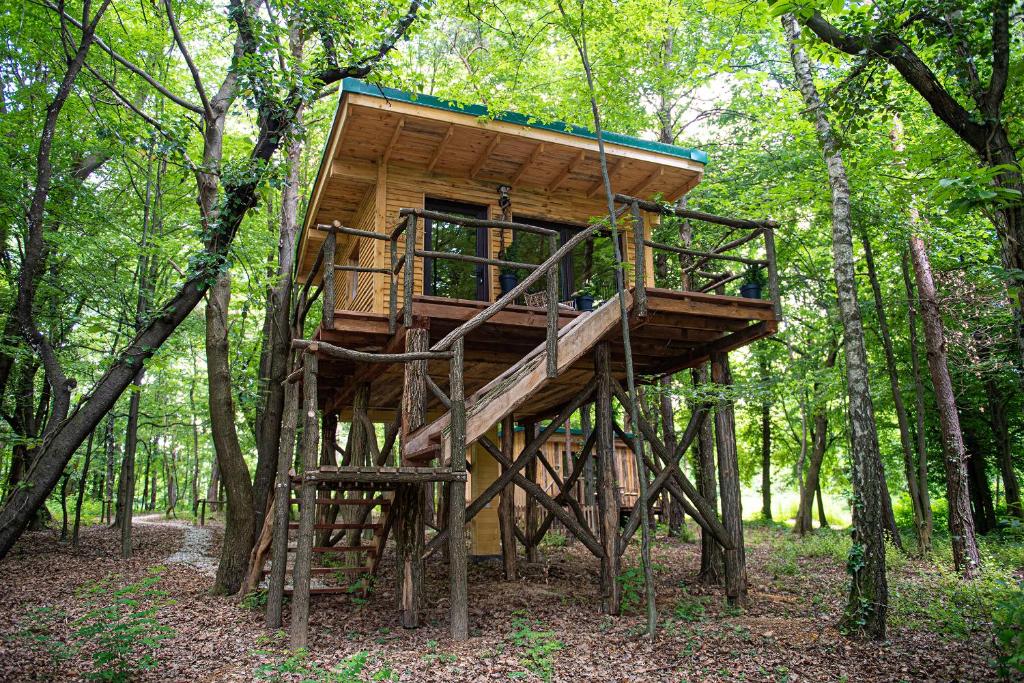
455,256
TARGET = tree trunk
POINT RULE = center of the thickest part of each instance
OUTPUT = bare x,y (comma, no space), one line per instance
131,442
676,521
81,490
909,459
869,591
961,527
712,558
268,434
729,483
811,483
766,446
238,530
982,507
822,519
922,449
1001,431
109,448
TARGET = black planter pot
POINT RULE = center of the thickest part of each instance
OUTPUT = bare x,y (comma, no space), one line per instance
508,282
750,290
584,302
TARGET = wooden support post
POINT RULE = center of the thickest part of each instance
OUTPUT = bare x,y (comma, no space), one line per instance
410,271
607,485
330,248
506,505
307,503
552,321
457,499
773,270
639,264
282,507
408,505
729,483
393,285
532,519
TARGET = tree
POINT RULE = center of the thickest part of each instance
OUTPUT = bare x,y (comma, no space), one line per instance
869,591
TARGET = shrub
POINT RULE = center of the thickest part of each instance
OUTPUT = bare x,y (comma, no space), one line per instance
123,634
1008,621
538,646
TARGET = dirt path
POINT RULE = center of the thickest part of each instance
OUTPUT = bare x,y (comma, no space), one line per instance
195,547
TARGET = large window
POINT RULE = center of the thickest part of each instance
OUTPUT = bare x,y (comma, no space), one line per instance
589,263
447,277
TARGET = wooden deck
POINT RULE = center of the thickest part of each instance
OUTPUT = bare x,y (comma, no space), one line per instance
680,330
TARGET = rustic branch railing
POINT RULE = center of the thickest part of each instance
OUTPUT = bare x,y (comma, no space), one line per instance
765,229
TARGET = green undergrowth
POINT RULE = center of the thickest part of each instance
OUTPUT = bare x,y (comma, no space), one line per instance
298,665
536,645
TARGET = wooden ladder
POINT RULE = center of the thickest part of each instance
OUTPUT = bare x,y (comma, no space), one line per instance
354,577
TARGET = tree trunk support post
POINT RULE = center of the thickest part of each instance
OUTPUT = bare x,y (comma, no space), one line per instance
532,511
330,248
282,506
307,503
457,498
607,485
639,272
506,505
408,505
729,483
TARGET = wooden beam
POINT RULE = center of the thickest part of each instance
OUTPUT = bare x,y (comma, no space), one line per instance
440,148
354,169
599,185
576,160
482,159
646,182
537,151
386,157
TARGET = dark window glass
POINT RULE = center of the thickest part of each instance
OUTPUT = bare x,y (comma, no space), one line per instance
446,277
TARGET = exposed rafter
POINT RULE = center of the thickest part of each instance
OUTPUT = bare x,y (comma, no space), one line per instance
391,143
652,177
576,160
440,148
612,171
482,159
537,151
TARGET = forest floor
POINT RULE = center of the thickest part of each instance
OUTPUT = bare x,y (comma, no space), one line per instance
70,614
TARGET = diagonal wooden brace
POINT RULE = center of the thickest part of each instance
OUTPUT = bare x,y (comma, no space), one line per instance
511,473
710,516
564,495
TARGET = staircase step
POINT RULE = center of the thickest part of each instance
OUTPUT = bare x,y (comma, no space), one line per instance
340,549
514,387
334,570
322,527
326,590
348,501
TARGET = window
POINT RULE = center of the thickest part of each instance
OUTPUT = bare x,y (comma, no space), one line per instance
447,277
592,260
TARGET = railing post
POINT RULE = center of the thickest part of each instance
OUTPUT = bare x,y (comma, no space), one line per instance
307,502
393,287
552,295
639,267
410,257
330,247
773,271
457,498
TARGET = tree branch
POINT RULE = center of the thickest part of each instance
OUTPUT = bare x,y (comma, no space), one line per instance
188,59
892,49
127,64
993,98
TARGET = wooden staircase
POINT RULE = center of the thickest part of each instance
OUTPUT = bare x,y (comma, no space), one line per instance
342,568
510,390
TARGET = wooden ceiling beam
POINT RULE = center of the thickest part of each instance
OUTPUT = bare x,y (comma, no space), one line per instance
440,148
576,160
391,143
612,171
646,182
537,151
354,169
482,159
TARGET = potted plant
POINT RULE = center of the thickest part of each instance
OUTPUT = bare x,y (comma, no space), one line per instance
584,296
508,277
753,282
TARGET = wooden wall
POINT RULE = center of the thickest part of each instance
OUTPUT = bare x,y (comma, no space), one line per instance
401,187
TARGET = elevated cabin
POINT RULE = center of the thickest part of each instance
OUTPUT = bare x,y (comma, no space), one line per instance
454,253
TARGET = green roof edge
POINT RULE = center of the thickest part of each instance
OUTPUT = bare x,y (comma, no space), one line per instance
358,86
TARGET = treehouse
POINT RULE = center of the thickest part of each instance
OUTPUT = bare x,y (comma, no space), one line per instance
476,295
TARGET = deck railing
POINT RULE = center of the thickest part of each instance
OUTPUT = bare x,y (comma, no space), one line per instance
403,258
